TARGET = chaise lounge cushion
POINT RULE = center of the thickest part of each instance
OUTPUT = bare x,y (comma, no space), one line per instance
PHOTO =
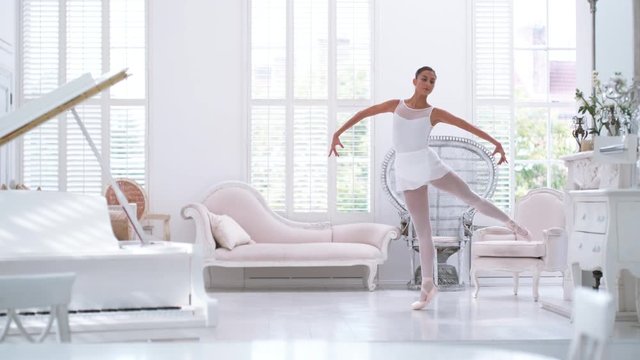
226,231
256,219
302,252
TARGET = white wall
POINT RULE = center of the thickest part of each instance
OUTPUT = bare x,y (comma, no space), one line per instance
197,124
614,39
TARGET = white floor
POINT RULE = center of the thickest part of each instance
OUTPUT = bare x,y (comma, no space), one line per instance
497,318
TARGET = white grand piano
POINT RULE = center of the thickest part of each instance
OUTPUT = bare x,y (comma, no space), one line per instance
57,232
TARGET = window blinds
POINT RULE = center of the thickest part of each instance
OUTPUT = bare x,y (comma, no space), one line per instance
493,81
61,40
310,64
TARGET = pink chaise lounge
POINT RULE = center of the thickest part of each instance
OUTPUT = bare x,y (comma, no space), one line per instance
279,242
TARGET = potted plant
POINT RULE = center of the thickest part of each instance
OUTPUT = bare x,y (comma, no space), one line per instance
612,109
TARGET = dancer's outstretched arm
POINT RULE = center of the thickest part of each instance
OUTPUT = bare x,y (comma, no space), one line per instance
387,106
442,116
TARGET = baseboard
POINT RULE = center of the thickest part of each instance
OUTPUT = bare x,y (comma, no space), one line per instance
287,283
357,283
327,277
305,283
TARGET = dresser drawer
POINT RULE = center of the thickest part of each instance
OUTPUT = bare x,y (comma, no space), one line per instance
587,249
591,217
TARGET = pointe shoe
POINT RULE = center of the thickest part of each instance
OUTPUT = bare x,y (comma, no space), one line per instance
417,305
519,230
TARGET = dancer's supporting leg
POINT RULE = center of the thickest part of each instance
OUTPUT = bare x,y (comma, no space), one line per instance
453,184
418,205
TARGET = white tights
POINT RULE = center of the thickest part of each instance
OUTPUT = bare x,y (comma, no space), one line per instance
418,205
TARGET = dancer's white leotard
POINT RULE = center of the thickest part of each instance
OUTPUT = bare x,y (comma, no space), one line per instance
416,164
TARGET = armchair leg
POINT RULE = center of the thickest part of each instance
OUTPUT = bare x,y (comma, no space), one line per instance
567,285
516,282
536,282
474,276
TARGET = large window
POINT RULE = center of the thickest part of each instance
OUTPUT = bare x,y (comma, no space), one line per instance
524,82
310,64
61,40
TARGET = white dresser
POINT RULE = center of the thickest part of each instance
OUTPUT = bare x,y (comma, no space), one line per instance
603,222
604,234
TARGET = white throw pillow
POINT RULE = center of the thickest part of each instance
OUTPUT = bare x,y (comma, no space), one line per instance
227,232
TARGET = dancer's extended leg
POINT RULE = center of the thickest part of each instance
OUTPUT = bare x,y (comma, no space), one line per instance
418,205
453,184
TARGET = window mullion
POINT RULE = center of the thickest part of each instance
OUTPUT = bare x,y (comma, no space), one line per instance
105,95
52,52
319,109
332,112
289,111
62,79
512,127
548,108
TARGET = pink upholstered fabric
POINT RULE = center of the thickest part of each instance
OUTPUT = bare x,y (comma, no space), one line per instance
507,263
299,252
263,227
540,212
492,233
509,248
363,233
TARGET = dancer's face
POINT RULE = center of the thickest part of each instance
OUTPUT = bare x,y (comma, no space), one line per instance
425,82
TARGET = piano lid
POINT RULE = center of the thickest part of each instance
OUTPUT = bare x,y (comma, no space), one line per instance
37,111
64,98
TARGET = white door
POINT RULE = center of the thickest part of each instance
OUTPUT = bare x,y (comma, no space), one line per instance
6,94
8,154
7,151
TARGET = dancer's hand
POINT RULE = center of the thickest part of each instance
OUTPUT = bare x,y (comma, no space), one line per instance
503,156
334,143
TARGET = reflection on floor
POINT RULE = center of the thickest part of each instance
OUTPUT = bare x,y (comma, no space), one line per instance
353,315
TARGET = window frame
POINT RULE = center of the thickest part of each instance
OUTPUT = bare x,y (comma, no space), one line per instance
104,102
547,105
513,104
333,105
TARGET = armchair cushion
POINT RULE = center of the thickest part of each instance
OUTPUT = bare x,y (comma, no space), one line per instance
493,233
226,231
509,248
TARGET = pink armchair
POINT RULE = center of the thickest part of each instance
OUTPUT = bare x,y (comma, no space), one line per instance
498,249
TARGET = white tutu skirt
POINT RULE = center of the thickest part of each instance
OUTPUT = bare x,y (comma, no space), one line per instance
417,168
